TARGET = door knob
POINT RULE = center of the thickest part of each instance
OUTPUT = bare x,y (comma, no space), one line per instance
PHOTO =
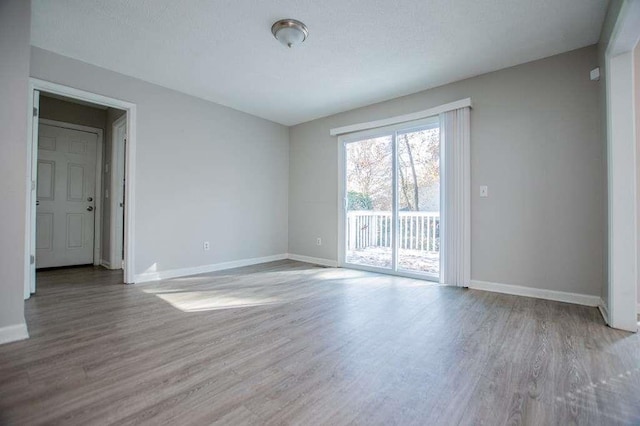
89,209
89,199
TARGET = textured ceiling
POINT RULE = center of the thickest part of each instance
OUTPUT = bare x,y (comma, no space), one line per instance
358,52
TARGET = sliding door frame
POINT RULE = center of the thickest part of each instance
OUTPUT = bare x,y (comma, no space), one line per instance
343,141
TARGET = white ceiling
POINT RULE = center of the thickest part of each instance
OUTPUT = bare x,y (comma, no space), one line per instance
358,52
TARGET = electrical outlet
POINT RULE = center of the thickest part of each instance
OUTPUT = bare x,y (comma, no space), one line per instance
318,241
206,246
484,191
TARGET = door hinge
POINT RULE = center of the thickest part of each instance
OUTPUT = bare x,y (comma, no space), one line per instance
33,185
35,111
32,259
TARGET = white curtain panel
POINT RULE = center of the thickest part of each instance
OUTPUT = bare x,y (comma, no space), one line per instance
455,206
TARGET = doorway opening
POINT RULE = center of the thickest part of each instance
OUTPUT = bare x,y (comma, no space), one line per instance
68,192
81,149
391,189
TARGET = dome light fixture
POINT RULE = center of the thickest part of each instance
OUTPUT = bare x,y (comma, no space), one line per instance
289,32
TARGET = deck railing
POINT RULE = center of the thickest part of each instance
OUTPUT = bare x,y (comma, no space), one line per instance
416,230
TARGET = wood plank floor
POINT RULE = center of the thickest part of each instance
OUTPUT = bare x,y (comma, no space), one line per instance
290,343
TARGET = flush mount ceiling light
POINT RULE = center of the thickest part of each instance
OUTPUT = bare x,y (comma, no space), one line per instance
289,32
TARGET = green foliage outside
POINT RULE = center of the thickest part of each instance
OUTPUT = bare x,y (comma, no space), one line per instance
359,201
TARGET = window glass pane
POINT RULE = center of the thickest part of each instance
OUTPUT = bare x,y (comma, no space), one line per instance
368,227
419,200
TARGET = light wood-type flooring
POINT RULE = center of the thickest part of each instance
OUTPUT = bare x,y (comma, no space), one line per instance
291,343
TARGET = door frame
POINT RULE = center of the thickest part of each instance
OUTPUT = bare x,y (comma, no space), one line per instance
115,242
97,222
623,201
35,86
347,138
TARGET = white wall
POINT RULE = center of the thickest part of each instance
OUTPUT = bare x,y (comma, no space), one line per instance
15,24
204,172
536,142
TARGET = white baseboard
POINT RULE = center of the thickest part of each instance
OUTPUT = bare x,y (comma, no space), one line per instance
13,333
315,260
516,290
105,264
602,307
203,269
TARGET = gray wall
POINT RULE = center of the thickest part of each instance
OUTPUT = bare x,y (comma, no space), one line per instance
535,141
57,109
15,26
203,171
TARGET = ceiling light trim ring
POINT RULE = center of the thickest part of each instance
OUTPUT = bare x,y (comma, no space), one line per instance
289,23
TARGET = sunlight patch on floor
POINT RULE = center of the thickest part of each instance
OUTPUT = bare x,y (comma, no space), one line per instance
176,291
198,301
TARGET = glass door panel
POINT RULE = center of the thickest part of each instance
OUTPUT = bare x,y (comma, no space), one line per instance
369,193
418,191
392,198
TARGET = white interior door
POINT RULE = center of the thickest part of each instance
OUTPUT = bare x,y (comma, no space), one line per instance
66,196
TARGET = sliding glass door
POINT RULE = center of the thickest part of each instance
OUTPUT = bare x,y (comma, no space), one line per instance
369,192
392,200
418,192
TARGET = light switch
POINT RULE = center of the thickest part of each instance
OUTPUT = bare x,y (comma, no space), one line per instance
484,191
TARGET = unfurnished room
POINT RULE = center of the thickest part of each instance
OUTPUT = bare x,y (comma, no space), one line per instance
320,213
